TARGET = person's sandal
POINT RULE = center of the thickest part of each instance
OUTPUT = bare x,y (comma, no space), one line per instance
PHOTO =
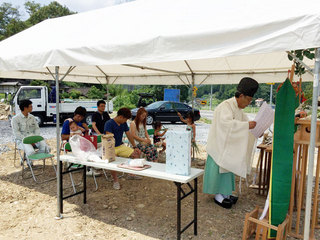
116,186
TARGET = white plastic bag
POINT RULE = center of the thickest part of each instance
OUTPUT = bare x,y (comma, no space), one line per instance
83,149
138,162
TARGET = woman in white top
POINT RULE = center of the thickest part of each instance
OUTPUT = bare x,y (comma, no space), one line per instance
139,132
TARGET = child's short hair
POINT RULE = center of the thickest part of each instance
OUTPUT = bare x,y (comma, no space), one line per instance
72,122
157,124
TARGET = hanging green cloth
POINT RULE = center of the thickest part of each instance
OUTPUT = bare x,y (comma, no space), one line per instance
282,155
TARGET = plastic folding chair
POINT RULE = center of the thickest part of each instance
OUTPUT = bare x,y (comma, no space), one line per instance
29,159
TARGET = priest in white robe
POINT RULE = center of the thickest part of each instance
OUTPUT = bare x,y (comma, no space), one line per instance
230,144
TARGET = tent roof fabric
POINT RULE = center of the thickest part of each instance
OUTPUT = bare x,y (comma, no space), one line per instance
154,41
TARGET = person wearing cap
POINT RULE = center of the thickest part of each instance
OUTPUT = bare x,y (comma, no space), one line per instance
230,144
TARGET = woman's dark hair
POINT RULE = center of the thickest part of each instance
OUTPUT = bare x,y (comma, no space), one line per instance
81,111
191,116
100,102
156,124
124,112
24,104
137,118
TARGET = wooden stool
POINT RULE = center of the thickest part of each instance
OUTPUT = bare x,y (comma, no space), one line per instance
253,225
263,169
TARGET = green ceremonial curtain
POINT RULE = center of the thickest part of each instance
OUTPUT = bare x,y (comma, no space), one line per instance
282,155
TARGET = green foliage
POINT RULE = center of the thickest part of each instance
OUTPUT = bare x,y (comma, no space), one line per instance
39,83
10,22
301,53
71,84
74,94
38,13
65,95
116,90
95,93
123,100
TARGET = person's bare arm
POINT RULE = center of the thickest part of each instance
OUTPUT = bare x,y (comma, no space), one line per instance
94,126
181,118
131,139
194,132
133,131
65,137
161,134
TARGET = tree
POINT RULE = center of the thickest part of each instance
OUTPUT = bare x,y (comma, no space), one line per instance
95,93
74,94
38,13
10,22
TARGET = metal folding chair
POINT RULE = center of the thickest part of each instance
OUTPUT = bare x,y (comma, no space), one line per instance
29,159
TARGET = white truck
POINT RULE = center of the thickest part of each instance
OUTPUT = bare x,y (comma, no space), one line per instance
45,111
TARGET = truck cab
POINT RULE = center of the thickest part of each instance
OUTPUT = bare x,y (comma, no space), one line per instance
45,111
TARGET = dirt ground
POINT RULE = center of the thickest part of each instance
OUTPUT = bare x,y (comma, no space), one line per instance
142,209
4,111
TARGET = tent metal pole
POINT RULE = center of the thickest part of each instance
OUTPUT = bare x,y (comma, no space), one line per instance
211,98
312,143
107,94
192,96
59,177
271,86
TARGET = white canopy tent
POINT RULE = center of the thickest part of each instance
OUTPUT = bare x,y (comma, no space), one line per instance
148,42
170,42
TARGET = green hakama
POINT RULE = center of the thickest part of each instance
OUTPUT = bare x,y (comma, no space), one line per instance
215,182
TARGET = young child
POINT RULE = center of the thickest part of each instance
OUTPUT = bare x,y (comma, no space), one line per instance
158,137
75,129
190,124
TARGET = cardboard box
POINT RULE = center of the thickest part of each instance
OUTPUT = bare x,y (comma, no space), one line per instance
178,152
108,147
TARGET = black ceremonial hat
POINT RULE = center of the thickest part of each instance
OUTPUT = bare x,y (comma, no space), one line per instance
248,86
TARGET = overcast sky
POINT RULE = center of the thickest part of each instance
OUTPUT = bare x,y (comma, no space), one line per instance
73,5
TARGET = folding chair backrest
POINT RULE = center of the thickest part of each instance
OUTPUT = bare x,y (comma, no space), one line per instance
150,131
32,139
67,147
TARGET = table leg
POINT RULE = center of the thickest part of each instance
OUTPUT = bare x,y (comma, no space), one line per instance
61,188
84,184
178,211
195,207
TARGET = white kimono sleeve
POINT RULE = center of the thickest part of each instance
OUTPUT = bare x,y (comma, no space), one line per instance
228,140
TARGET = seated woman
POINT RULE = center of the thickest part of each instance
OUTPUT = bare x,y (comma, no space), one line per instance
139,132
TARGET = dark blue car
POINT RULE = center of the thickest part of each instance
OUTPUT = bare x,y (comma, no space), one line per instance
166,111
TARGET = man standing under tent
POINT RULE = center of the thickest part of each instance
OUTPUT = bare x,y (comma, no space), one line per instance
99,118
230,144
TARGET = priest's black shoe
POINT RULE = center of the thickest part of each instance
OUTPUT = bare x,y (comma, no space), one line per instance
226,203
233,199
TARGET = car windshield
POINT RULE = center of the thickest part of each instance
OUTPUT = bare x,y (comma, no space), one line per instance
154,105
